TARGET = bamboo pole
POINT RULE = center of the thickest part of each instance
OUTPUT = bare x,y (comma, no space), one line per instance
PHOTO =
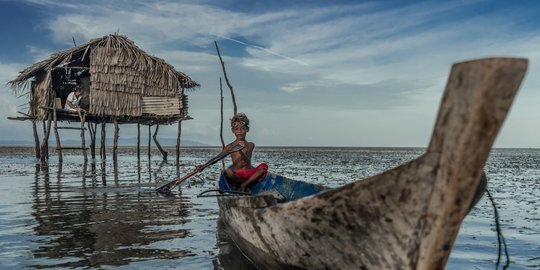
226,78
163,152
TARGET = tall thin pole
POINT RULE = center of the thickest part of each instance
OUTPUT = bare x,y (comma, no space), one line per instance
226,78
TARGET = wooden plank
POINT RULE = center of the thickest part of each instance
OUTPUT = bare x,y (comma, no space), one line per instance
71,148
77,128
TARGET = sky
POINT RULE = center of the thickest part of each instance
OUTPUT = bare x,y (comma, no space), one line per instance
307,73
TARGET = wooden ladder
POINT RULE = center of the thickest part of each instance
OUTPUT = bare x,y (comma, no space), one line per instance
59,148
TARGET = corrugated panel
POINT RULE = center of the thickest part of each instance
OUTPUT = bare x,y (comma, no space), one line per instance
162,105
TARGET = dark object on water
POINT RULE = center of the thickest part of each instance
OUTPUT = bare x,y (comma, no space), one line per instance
404,218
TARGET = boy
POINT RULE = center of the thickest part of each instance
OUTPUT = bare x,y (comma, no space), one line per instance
241,173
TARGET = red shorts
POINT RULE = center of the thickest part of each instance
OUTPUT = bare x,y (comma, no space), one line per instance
245,174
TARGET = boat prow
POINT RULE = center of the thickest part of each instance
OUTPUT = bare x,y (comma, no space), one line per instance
404,218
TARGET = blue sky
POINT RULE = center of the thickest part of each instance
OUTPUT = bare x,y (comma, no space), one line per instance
307,73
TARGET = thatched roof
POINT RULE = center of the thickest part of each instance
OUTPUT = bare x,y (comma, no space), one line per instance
121,74
138,59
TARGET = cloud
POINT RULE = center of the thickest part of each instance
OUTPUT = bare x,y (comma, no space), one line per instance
333,58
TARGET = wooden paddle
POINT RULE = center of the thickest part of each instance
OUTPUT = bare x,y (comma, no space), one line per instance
166,189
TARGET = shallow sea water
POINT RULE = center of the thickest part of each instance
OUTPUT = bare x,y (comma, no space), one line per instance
105,215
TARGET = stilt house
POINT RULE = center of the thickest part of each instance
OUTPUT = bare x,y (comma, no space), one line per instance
121,84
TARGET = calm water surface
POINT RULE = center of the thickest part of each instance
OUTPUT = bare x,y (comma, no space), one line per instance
105,215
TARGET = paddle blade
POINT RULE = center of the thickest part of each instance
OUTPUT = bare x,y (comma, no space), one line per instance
165,189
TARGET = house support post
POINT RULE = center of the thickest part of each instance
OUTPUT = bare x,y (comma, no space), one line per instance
149,138
102,153
45,142
179,134
56,135
36,139
163,152
138,141
92,128
82,117
115,148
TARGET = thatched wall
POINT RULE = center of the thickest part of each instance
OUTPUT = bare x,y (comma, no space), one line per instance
121,74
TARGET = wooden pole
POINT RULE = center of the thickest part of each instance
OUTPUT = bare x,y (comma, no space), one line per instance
138,141
102,153
82,117
92,128
45,141
149,138
115,147
163,152
56,136
44,126
221,122
226,78
179,134
36,139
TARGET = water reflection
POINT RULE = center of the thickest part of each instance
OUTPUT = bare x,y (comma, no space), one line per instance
93,225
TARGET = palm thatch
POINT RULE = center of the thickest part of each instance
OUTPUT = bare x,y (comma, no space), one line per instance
122,78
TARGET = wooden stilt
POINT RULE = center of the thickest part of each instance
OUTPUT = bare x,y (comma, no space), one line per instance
42,153
115,148
82,117
45,141
179,134
103,172
163,152
138,141
36,140
102,153
92,127
56,136
149,138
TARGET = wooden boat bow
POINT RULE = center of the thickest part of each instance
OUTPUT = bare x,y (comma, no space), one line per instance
404,218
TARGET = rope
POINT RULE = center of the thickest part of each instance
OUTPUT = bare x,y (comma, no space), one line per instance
500,237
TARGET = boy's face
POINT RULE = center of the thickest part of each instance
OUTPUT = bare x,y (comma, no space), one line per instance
239,130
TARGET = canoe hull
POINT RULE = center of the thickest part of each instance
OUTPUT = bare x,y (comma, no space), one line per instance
404,218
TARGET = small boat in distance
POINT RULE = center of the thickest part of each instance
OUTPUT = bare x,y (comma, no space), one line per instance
405,218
